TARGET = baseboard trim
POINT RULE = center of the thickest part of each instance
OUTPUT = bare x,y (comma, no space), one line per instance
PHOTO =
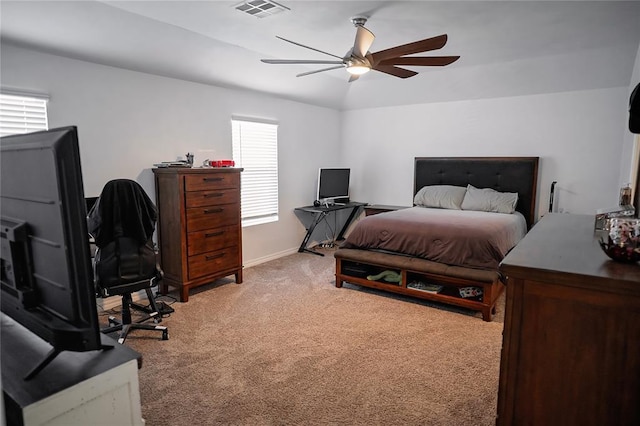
270,257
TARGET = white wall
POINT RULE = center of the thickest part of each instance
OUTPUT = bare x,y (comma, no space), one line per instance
127,121
577,135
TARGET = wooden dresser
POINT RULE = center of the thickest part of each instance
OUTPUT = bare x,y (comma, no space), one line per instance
199,228
571,341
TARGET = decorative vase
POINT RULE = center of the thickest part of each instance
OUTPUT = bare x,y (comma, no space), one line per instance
623,243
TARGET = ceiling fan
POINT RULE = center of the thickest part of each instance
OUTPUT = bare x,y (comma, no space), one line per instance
358,60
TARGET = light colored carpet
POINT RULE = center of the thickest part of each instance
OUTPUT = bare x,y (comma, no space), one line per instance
287,347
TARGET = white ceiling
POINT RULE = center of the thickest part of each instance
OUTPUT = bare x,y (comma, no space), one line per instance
507,48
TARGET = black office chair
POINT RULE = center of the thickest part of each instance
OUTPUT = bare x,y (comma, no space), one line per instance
122,222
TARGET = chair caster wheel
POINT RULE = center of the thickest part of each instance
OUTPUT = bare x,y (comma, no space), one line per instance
112,321
165,335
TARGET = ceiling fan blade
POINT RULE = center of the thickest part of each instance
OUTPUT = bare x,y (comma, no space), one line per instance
307,47
364,40
299,61
317,71
434,61
425,45
395,71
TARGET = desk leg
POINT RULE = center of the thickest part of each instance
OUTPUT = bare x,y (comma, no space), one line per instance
354,210
303,247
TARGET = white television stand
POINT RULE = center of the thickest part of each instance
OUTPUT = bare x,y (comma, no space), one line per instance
76,388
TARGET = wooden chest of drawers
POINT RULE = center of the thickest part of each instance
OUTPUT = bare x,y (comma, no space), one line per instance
571,346
199,228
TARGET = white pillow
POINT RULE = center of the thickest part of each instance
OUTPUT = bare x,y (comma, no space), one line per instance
489,200
440,196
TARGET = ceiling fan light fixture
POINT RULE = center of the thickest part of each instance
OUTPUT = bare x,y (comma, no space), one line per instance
358,69
357,66
359,60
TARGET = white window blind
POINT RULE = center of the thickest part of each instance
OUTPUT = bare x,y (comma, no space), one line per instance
255,148
22,114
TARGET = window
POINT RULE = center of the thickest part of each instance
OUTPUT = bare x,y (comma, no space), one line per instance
255,148
22,114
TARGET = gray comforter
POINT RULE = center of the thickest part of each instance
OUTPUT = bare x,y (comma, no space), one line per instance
455,237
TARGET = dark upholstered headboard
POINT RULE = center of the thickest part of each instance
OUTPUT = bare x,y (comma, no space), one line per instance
505,174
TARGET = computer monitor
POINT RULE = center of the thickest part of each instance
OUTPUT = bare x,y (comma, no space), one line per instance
333,185
47,279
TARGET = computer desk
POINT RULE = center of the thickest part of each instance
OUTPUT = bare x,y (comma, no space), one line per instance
320,212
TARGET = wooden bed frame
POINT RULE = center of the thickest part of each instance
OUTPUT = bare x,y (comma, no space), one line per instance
505,174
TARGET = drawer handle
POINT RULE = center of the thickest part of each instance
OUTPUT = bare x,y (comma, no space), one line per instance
214,256
207,211
213,234
213,194
212,179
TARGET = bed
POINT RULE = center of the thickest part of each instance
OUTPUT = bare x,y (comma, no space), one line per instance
447,248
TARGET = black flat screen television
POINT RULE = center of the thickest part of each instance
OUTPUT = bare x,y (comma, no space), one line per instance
47,279
333,185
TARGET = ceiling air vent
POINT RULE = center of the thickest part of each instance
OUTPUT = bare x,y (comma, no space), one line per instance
261,8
